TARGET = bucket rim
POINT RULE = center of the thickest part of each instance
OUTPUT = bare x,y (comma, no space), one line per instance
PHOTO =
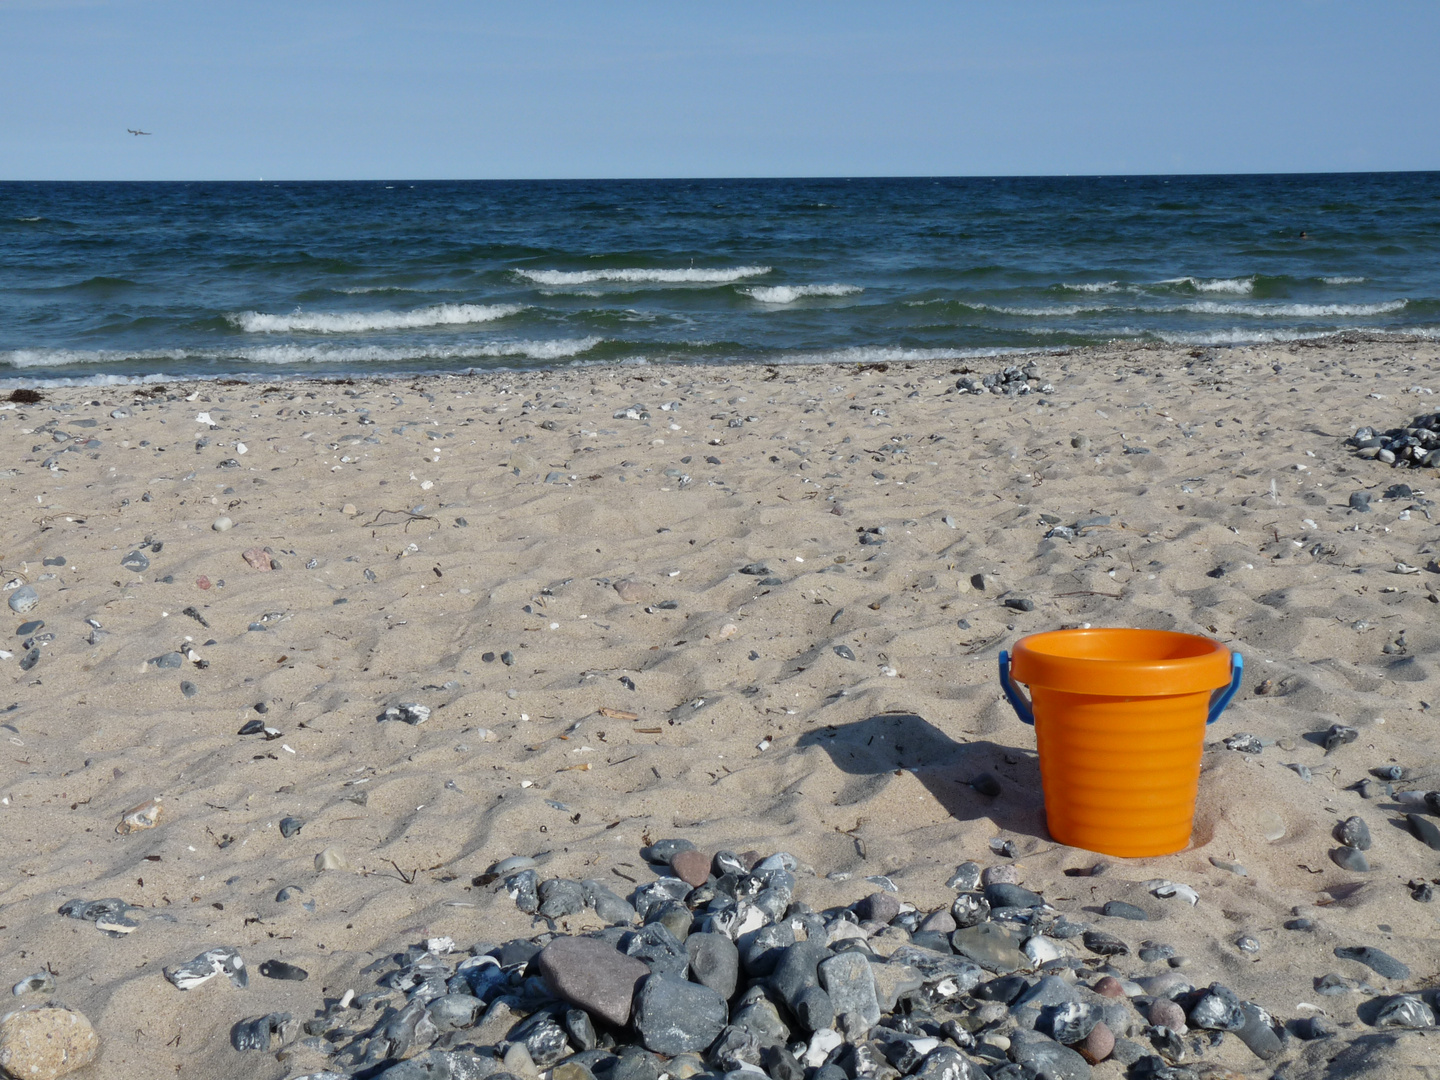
1142,662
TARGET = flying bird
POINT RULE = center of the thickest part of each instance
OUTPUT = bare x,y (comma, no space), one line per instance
132,131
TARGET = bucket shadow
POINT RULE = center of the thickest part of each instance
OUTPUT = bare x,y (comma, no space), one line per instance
870,751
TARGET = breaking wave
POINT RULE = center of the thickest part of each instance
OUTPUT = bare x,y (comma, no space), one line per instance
788,294
359,322
690,276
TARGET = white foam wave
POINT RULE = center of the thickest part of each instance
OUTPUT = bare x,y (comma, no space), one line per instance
1044,312
688,276
788,294
362,290
554,349
1342,279
1092,286
359,322
1292,311
29,219
889,354
1239,286
1238,336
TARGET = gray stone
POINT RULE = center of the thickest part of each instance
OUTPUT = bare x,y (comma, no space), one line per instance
674,1016
1047,1057
608,906
524,889
760,949
135,561
893,981
762,1019
1425,830
1349,858
290,826
848,980
1353,832
662,851
1070,1022
1382,963
965,878
1002,894
990,946
657,947
796,970
1258,1034
1405,1011
947,1063
560,897
451,1012
1218,1010
675,917
593,975
1118,909
715,962
23,599
877,907
968,909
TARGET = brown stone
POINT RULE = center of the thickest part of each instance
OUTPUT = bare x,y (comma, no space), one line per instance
1098,1045
45,1043
691,867
1110,987
630,591
1166,1013
593,975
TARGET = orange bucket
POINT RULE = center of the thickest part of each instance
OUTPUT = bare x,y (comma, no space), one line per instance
1119,719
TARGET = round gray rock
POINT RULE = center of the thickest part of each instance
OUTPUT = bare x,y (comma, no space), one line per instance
24,599
674,1016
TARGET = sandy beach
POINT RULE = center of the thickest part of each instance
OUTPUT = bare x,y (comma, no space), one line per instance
752,607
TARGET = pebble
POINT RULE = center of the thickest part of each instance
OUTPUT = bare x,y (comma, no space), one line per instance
1098,1045
1218,1010
46,1042
990,946
1378,961
630,591
714,962
674,1016
1118,909
1425,830
1402,1011
1353,832
23,599
1348,858
877,907
1168,1014
691,866
851,985
222,524
592,975
1003,874
1103,944
332,858
145,815
221,960
1109,986
965,878
290,826
136,562
279,969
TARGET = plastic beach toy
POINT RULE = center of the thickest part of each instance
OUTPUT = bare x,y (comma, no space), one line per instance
1119,718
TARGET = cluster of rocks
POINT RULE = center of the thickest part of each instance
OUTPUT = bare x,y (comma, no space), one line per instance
1011,381
715,969
1410,447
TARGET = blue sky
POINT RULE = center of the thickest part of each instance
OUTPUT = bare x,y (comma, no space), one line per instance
308,89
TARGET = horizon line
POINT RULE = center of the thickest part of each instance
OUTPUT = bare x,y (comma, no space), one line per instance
718,179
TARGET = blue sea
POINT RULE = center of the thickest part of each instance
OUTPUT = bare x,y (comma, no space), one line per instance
107,281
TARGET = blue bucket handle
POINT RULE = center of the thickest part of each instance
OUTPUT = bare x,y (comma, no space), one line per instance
1026,713
1227,694
1012,692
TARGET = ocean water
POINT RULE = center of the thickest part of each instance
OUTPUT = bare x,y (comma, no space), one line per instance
166,280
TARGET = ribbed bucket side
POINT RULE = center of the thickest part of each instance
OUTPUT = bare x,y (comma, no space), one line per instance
1121,775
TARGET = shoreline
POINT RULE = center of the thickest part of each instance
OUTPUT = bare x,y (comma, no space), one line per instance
604,554
998,353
